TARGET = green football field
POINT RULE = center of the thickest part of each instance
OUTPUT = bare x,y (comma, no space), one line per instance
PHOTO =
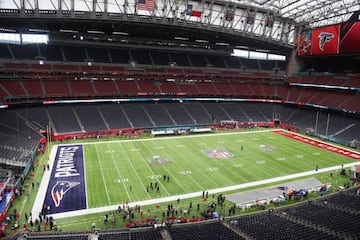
122,171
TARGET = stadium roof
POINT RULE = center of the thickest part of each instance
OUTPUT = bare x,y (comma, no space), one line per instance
312,12
274,25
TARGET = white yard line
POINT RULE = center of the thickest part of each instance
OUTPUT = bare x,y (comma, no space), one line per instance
132,166
185,159
199,194
173,178
119,173
102,174
147,164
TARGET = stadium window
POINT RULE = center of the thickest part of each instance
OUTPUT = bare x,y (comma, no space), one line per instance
34,38
276,57
11,38
240,53
257,55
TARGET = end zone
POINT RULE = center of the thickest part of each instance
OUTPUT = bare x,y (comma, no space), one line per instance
62,187
320,144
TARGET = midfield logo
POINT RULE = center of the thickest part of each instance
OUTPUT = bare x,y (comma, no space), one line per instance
60,189
217,153
324,37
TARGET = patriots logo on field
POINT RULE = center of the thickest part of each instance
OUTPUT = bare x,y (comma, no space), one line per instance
218,153
60,189
324,37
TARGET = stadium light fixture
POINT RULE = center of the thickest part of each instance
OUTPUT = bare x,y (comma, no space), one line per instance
222,44
201,41
242,47
7,30
181,38
95,32
88,61
121,33
68,31
38,30
262,50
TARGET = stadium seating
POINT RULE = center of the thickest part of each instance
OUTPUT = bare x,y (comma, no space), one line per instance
141,57
189,88
5,52
74,54
253,113
137,116
90,118
51,52
81,88
180,59
148,87
160,58
119,56
158,114
98,55
225,89
271,226
114,116
328,217
206,230
128,88
56,88
198,113
207,89
29,52
105,88
168,88
18,140
119,115
198,60
216,61
14,87
33,88
179,114
64,119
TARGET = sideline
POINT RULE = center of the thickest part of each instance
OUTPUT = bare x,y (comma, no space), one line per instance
199,194
40,197
167,138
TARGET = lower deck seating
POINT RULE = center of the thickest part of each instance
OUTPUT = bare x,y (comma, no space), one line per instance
203,231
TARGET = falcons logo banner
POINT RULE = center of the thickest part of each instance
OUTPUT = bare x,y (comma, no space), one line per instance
325,40
324,37
66,189
59,190
218,153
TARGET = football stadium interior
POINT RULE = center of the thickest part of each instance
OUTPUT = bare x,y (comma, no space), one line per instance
179,119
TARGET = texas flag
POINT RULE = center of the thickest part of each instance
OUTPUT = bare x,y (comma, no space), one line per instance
191,12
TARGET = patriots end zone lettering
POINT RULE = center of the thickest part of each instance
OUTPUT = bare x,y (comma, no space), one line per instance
65,165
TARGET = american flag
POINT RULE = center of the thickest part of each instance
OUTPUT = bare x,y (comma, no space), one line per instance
146,5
